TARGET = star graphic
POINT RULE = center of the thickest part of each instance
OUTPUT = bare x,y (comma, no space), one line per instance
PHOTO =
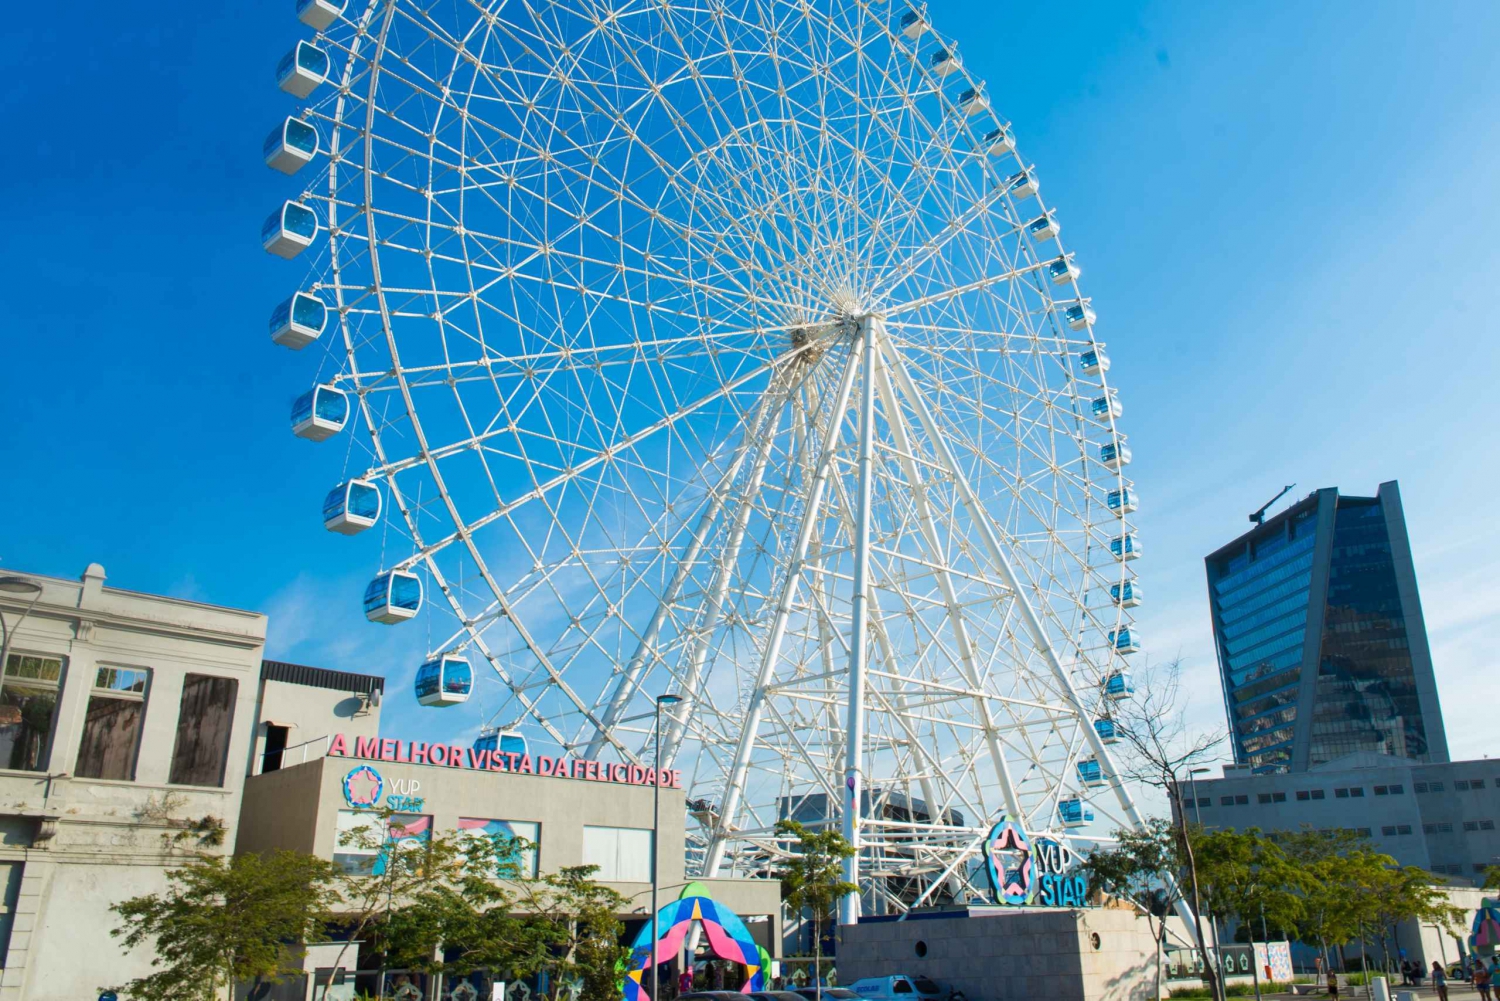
363,787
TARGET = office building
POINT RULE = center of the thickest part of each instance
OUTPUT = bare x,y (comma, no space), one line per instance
1321,644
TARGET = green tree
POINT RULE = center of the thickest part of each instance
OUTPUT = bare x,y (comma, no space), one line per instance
466,921
223,921
1140,867
813,879
577,920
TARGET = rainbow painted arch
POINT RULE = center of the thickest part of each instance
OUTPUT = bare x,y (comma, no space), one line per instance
728,938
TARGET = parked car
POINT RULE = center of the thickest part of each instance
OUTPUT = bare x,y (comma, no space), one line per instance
829,993
899,987
776,996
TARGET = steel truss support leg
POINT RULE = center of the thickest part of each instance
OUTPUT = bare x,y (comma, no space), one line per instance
734,789
645,651
980,517
859,627
956,621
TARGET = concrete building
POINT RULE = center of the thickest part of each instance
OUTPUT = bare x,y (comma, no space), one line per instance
1321,643
124,722
1439,817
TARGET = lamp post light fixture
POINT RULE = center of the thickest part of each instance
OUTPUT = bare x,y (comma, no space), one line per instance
661,700
11,584
1213,926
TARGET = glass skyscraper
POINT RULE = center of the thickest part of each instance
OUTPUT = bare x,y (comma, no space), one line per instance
1321,645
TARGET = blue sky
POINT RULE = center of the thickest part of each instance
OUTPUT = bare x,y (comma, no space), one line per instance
1285,214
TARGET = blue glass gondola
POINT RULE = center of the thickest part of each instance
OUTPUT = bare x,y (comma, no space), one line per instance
1119,685
1044,227
1114,454
1079,315
912,24
943,62
289,230
1124,641
1063,270
1107,406
1090,775
1022,185
298,321
1093,361
1122,501
319,14
998,142
1108,732
1074,814
444,681
291,146
501,741
1125,547
301,70
351,507
320,413
1126,595
973,101
392,597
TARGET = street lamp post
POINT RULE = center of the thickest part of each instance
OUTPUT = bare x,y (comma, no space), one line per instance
661,700
15,585
1213,926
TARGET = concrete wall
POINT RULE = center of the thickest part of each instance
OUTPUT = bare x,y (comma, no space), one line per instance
298,806
314,715
83,844
996,954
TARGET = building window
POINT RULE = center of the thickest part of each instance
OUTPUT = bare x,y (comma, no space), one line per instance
1263,797
204,721
1471,825
1363,832
1317,794
1403,828
1397,790
1435,786
1303,795
361,847
1226,800
1381,790
1419,787
1357,792
1341,794
1242,800
28,706
1388,831
1461,785
1278,797
277,736
1476,783
1205,801
1437,828
112,724
524,860
623,854
1486,825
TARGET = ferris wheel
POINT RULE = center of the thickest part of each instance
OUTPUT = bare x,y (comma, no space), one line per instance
724,350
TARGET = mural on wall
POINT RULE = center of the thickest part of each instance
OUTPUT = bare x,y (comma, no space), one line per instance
1485,934
728,938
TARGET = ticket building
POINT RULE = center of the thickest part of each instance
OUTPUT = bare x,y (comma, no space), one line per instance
575,812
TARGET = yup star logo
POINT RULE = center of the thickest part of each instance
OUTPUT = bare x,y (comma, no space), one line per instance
362,786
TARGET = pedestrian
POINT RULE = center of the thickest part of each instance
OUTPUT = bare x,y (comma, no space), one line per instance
1482,981
685,982
1440,980
1333,986
1405,973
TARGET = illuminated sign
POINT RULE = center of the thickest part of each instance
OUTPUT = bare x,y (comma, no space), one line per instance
363,786
410,752
1026,871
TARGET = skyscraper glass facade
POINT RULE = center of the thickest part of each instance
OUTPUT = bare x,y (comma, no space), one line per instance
1332,565
1260,602
1366,696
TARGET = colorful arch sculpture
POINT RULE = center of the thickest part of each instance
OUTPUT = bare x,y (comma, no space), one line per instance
728,938
1486,930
